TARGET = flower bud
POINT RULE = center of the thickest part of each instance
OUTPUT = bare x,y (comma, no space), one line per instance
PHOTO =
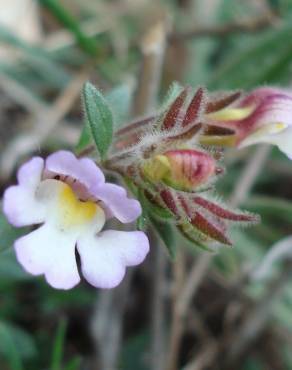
182,169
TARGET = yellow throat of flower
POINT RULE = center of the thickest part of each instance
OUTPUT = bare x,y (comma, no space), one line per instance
72,211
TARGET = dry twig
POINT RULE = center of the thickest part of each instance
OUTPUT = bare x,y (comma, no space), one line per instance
153,48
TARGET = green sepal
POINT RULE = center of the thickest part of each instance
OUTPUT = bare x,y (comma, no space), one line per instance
153,208
157,216
193,236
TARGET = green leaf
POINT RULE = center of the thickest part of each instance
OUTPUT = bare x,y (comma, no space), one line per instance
119,101
8,233
270,206
73,364
252,364
39,60
58,346
99,117
15,345
133,352
166,233
88,44
8,348
265,59
10,269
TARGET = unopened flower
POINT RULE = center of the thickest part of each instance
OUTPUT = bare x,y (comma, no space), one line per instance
263,116
182,169
70,200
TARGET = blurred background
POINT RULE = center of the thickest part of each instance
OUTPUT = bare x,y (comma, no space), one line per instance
231,310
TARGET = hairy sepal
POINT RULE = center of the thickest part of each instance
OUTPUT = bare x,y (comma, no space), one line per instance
182,120
207,216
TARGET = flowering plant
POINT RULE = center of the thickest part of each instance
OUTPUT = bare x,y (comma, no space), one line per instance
170,161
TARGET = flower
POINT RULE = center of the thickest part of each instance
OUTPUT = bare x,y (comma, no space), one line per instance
263,116
70,200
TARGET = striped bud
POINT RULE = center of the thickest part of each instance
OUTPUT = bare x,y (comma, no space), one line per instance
183,169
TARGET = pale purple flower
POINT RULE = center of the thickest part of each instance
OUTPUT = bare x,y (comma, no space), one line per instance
262,116
271,120
70,201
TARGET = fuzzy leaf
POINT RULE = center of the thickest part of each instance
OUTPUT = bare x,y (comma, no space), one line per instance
119,100
99,117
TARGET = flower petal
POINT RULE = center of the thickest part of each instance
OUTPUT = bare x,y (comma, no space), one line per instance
276,108
19,203
50,252
104,257
264,134
30,173
283,139
116,200
84,169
